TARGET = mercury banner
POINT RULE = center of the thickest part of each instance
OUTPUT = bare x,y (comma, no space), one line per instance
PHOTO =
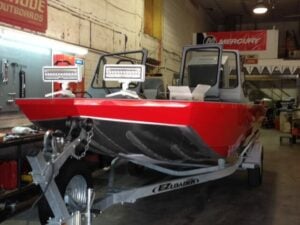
239,40
30,14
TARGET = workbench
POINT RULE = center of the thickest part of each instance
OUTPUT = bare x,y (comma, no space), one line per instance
23,196
18,143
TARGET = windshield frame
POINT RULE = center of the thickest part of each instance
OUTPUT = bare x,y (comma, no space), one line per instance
206,47
122,58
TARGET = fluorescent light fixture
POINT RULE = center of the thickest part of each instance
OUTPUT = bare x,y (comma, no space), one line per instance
28,48
260,7
35,40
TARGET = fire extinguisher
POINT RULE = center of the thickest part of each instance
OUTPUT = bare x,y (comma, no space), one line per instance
22,82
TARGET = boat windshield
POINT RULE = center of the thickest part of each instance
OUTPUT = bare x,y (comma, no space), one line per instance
229,77
201,67
135,57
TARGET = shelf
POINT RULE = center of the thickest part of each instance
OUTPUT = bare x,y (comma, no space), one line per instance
271,77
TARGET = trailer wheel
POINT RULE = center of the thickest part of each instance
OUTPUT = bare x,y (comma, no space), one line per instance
73,181
255,176
134,169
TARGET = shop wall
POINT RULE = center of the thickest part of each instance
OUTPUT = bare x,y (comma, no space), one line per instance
286,29
117,25
30,62
181,20
101,25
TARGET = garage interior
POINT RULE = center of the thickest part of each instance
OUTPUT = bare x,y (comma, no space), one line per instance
79,34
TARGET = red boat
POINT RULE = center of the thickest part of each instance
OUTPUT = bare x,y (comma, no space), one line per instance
160,129
199,131
164,129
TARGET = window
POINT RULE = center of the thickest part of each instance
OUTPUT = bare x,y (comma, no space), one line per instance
153,18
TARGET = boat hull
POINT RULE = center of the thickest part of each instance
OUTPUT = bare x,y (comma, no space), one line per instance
160,129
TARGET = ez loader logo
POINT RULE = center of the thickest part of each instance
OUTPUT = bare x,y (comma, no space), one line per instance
175,185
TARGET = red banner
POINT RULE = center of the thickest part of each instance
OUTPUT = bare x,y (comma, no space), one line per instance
239,40
30,14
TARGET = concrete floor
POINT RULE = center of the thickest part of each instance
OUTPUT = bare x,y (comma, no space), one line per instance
228,201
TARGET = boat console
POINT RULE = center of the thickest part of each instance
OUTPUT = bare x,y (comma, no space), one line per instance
213,66
205,65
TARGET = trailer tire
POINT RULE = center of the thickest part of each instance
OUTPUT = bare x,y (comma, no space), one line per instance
74,172
255,176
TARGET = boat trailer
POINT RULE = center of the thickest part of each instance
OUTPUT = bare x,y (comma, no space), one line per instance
46,165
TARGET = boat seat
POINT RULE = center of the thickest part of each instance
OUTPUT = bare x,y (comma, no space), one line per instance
153,88
205,74
95,93
212,99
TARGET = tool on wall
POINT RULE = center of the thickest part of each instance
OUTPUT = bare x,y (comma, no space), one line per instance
14,66
22,83
12,97
4,71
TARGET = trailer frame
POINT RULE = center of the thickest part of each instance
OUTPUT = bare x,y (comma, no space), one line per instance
45,170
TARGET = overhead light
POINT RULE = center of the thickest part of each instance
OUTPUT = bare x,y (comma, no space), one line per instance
260,7
29,48
39,41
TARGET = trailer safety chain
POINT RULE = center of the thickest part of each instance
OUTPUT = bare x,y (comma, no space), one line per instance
89,137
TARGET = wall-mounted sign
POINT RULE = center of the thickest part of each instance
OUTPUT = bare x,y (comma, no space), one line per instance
239,40
30,14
